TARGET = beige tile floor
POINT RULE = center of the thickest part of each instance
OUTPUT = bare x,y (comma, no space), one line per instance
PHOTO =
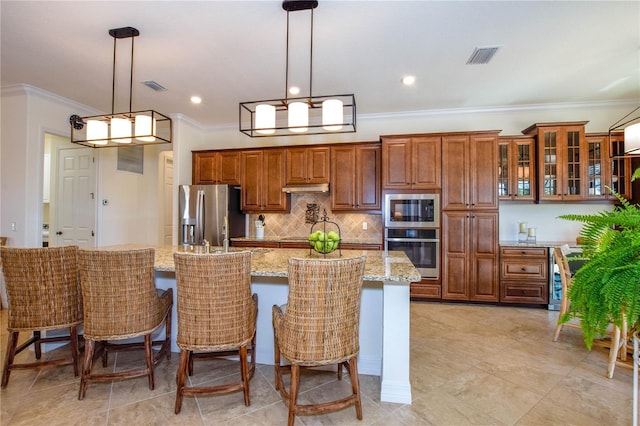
470,365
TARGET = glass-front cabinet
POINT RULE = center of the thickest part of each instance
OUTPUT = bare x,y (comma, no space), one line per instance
620,167
562,160
516,168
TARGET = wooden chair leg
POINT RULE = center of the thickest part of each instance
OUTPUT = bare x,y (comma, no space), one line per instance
149,356
355,385
74,350
276,364
293,393
37,345
167,328
244,372
89,348
185,357
12,343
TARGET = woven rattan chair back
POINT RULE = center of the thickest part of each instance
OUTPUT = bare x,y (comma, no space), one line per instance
119,293
121,301
42,294
216,317
215,307
320,324
318,327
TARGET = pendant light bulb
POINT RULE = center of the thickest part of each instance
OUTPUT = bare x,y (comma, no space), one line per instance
265,121
97,132
298,117
121,130
145,128
632,139
332,114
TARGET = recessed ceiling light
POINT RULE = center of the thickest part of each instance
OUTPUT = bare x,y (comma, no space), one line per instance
196,100
408,80
294,90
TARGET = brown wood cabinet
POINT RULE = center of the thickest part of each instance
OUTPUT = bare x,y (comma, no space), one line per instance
524,275
216,167
355,177
606,168
411,162
562,165
516,168
307,165
470,256
263,176
426,289
470,171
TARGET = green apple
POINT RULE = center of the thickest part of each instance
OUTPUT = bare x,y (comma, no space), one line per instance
333,235
313,236
319,246
329,246
322,236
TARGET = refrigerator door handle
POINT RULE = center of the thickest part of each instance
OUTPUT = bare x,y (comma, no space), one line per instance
200,215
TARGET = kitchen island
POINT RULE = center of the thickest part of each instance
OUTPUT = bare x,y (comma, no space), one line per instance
384,316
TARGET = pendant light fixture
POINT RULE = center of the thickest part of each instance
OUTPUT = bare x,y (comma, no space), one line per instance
307,115
125,128
631,128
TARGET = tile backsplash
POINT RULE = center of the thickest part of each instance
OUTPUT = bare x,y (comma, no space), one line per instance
294,224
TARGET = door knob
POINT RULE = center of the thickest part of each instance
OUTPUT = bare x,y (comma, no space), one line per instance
59,233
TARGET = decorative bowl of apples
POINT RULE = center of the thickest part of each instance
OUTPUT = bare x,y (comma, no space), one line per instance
324,242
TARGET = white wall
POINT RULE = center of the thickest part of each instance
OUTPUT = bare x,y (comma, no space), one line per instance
132,214
27,114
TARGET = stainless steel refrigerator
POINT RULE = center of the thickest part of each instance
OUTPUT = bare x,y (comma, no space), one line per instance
209,212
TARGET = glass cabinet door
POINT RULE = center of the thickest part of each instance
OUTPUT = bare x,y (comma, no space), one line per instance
524,171
550,165
620,167
503,171
596,168
574,177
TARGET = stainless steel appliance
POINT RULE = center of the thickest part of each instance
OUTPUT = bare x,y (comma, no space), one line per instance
209,212
412,225
422,247
412,210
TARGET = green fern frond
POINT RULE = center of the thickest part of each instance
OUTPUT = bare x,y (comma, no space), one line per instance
608,283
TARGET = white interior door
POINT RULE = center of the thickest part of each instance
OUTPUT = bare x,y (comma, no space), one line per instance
75,206
167,198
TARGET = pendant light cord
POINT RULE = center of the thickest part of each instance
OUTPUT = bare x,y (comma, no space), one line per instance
286,78
113,78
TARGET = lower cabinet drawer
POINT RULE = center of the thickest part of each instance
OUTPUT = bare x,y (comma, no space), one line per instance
422,290
518,292
529,269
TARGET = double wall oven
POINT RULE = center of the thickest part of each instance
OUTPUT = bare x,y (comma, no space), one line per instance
412,225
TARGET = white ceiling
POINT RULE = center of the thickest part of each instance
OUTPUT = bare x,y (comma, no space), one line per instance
234,51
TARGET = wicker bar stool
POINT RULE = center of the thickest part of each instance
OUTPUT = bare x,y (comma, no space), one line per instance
120,302
216,317
43,294
319,326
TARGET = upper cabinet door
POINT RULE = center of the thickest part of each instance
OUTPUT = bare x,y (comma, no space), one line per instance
216,167
411,162
355,177
562,160
483,172
516,169
455,172
307,165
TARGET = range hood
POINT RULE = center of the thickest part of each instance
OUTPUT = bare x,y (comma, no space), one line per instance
306,188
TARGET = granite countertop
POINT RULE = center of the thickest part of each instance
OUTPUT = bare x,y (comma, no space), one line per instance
281,239
514,243
272,262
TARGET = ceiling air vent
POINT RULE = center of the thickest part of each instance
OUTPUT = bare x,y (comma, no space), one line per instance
154,85
482,55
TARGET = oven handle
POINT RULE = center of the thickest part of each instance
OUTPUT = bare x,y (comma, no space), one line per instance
414,240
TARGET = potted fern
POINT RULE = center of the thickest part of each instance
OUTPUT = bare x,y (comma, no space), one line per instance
607,286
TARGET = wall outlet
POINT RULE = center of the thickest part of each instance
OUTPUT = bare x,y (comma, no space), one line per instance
13,226
364,226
